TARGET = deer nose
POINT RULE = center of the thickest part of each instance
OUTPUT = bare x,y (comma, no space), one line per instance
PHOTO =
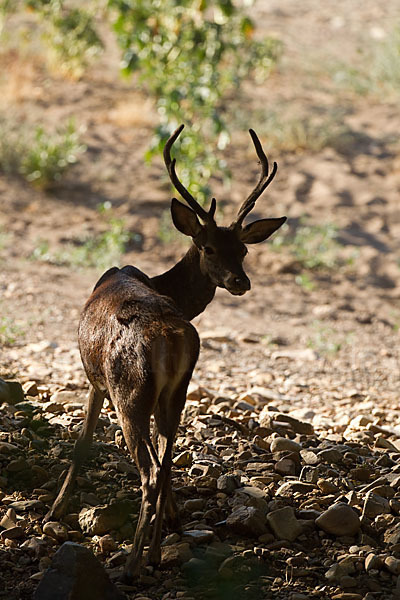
237,284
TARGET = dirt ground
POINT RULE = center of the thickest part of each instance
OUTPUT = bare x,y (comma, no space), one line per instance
326,352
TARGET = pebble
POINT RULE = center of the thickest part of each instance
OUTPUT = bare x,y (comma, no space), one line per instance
56,530
392,535
393,565
193,504
285,466
184,459
284,524
375,505
309,474
348,596
327,487
25,505
330,456
17,465
171,539
373,562
30,388
12,533
281,444
228,483
103,519
107,544
6,448
203,536
247,521
175,554
291,487
309,457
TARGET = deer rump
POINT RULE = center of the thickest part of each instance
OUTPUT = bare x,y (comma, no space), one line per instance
129,334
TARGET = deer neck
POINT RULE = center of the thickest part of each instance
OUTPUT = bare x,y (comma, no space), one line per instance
189,288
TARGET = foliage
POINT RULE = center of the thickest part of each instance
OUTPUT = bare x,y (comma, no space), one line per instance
40,157
327,340
102,251
190,55
70,32
9,331
50,155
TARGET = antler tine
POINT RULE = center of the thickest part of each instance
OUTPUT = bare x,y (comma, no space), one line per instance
263,183
170,164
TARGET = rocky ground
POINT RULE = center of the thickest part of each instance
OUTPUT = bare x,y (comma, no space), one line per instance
287,462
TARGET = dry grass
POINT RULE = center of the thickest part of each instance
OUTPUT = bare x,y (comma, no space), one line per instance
20,78
133,111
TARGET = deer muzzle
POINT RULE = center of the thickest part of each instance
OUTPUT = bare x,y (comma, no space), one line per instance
237,285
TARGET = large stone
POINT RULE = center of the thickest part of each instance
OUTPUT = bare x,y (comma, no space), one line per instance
284,524
247,521
74,574
11,392
375,505
340,519
392,535
103,519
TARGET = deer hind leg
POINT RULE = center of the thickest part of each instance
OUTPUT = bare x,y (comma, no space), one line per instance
135,422
81,451
167,417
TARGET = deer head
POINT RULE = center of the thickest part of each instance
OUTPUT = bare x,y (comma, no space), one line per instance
222,249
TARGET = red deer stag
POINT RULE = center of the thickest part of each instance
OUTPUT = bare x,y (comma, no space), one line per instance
139,348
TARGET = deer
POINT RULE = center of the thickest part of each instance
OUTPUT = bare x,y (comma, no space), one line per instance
139,348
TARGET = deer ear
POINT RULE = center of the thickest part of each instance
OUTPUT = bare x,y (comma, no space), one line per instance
185,219
260,230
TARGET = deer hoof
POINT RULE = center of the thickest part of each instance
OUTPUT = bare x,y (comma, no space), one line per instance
127,578
154,557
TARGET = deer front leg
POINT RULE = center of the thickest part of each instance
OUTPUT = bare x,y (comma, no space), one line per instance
81,450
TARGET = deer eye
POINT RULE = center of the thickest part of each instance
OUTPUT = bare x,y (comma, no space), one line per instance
208,250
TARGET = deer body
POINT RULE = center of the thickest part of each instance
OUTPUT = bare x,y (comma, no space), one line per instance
139,348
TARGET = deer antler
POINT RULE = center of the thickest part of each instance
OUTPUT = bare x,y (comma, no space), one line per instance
207,216
265,180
